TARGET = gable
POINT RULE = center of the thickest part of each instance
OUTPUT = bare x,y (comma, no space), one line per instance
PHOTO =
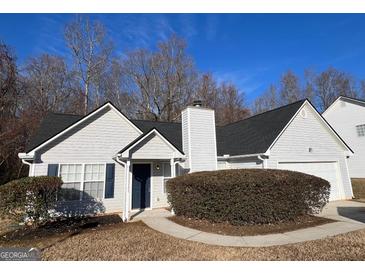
308,130
152,147
97,138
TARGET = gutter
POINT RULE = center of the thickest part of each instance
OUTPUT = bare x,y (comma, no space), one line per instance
25,158
227,156
258,155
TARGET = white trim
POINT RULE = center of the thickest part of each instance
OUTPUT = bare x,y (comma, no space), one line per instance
177,153
215,142
82,178
323,122
81,121
348,176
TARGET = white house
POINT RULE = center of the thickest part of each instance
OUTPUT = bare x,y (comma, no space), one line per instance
124,163
347,116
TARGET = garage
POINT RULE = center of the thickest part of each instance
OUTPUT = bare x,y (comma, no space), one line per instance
327,170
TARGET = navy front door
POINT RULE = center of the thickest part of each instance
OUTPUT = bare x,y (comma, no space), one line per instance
141,186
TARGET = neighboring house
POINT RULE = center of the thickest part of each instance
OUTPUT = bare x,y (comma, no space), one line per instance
347,116
125,163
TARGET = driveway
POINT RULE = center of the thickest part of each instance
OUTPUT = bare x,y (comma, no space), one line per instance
345,211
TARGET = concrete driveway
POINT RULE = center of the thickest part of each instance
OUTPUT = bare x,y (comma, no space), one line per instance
346,211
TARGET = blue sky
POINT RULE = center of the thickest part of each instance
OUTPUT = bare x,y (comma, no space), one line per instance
250,50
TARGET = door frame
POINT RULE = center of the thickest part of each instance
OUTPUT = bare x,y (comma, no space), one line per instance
151,184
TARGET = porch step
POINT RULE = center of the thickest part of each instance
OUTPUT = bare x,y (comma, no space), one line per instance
152,213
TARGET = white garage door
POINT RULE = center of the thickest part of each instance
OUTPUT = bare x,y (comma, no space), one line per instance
326,170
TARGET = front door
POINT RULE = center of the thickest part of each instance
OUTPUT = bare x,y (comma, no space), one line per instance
141,186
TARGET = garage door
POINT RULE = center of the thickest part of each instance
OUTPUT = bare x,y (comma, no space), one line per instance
326,170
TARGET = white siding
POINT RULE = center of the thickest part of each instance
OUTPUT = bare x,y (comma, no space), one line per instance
344,117
96,140
185,137
153,148
199,138
305,133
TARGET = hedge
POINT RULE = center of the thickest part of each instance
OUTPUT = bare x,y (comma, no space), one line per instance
29,199
247,196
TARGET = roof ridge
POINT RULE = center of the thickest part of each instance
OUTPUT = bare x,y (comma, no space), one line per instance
167,122
267,111
351,98
68,114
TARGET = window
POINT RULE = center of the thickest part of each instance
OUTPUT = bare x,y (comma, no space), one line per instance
94,181
71,177
76,187
166,173
360,129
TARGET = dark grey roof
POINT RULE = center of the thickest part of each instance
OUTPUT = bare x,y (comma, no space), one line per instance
51,125
171,131
256,133
249,136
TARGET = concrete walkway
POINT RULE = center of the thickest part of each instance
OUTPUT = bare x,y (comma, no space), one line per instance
350,216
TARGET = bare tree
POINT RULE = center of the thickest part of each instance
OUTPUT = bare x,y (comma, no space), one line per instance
290,89
231,107
116,90
48,85
268,100
330,84
163,81
8,78
12,133
91,52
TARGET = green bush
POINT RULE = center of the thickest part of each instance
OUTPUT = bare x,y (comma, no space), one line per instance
247,196
29,199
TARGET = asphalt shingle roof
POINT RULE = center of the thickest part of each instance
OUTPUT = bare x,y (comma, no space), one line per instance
249,136
256,133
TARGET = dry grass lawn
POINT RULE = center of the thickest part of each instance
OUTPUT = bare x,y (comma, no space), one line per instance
136,241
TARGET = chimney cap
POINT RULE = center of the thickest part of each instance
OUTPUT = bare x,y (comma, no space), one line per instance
197,103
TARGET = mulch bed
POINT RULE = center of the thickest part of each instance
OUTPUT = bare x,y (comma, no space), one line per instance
250,230
56,231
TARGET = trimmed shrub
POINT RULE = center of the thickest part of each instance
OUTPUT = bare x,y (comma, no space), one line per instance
29,199
247,196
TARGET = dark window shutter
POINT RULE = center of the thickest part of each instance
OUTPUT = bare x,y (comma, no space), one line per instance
52,170
109,180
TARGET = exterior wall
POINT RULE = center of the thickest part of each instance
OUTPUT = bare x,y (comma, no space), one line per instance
199,138
305,133
152,148
344,117
97,140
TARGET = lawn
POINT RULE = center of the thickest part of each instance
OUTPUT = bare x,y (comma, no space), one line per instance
135,241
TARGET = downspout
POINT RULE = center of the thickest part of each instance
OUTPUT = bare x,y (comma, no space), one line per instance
31,169
264,161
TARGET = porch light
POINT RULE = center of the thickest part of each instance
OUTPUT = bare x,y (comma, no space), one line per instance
158,167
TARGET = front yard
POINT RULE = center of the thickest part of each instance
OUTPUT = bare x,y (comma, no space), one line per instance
135,241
